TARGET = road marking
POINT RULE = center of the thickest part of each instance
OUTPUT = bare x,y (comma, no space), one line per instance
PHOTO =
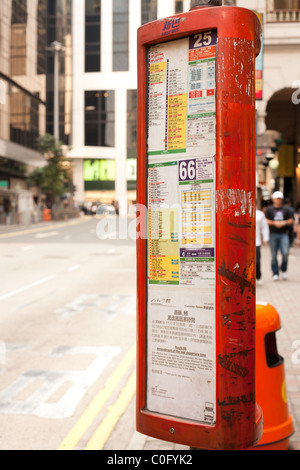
29,286
46,235
42,229
98,403
73,268
97,442
40,389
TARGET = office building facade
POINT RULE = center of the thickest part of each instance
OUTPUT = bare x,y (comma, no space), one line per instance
22,97
98,88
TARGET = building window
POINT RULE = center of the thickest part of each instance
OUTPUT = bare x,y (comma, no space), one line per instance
286,4
178,6
131,123
120,35
283,11
149,11
100,118
19,12
18,34
59,28
99,175
24,118
92,35
41,37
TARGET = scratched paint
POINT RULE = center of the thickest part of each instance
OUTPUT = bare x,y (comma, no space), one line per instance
236,202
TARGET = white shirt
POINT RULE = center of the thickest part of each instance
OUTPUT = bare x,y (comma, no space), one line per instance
262,228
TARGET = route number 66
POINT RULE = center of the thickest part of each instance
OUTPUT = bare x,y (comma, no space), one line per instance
187,170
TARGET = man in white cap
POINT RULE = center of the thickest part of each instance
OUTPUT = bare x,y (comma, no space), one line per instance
279,220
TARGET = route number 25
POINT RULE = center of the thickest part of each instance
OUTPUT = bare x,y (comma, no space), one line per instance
203,39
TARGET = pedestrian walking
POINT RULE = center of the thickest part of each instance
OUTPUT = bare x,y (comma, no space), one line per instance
298,224
292,228
262,238
279,220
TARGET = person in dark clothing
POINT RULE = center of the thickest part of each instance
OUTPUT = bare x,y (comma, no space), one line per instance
292,229
279,220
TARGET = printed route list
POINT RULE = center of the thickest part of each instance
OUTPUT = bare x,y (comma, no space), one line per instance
181,228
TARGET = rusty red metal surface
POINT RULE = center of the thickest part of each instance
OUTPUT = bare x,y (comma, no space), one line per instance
239,418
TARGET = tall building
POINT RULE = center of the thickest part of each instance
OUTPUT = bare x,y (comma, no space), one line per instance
104,98
98,96
22,97
278,103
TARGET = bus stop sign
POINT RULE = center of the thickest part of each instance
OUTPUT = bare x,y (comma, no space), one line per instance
196,194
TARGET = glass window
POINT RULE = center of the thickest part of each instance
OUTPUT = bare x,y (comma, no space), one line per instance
24,118
131,123
99,174
19,12
287,4
41,37
149,11
120,35
178,6
92,35
100,118
59,28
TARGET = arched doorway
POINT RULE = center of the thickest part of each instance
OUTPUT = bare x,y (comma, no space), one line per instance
283,116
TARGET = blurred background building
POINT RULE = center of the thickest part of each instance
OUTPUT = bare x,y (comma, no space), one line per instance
22,101
96,86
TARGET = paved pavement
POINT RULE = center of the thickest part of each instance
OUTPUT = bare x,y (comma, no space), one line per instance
283,295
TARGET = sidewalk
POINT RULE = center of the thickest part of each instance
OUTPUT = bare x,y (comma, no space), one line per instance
283,295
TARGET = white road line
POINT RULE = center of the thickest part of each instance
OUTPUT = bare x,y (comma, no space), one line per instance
26,248
29,286
73,268
46,235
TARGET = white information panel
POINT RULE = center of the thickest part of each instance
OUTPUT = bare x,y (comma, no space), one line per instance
181,351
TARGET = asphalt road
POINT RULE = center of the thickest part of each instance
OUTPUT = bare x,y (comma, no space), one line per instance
67,337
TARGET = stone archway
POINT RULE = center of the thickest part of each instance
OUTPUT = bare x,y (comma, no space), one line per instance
283,115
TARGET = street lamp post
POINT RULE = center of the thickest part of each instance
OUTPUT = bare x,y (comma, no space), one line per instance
56,47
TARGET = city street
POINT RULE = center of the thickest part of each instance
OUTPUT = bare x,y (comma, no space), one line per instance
68,333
